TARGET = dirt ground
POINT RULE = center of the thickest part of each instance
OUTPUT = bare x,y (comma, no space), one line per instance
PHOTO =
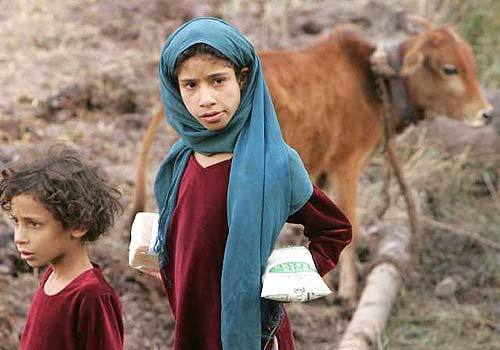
84,71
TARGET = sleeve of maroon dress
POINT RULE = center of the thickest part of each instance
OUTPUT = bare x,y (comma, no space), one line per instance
100,322
326,227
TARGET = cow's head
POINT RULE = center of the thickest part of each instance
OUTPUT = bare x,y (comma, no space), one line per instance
441,77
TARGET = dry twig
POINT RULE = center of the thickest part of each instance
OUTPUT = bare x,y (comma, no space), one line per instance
457,231
491,189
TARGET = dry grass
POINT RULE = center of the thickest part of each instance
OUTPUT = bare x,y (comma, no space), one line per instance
436,324
459,190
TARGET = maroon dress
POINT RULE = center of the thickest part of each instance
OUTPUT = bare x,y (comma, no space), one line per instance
84,315
196,242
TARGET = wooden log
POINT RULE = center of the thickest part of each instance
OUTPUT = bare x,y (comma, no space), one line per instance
382,287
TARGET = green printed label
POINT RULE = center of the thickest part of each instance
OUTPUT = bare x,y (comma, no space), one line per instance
292,267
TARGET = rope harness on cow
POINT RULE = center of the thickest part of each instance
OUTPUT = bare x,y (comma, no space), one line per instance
386,65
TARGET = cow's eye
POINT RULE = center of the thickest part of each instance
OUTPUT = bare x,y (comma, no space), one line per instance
448,69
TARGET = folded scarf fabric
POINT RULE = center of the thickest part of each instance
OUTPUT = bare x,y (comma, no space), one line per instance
268,181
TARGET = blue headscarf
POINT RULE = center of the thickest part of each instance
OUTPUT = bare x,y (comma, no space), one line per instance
267,183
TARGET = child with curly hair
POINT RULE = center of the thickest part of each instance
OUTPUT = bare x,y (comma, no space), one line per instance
57,203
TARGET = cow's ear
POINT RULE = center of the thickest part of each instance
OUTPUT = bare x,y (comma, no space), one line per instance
414,24
412,62
435,39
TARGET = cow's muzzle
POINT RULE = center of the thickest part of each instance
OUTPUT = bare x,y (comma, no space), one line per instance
488,115
485,116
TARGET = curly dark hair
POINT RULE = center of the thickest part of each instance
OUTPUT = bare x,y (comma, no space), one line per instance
74,191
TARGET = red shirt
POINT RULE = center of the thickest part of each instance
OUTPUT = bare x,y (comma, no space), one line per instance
86,314
196,242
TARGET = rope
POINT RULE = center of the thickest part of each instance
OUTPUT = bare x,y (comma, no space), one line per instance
389,150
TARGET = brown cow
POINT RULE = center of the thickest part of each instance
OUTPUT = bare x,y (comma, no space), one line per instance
329,111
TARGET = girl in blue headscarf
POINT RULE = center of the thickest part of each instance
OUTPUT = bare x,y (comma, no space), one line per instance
225,190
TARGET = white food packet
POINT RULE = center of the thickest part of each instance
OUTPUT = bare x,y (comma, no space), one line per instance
142,240
291,275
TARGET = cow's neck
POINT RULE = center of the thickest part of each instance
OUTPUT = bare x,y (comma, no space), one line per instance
405,112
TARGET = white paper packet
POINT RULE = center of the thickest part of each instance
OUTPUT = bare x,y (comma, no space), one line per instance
142,240
291,275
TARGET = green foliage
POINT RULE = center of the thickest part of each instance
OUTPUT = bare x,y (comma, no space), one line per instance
479,23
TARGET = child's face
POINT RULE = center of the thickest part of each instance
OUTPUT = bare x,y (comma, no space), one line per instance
210,90
39,237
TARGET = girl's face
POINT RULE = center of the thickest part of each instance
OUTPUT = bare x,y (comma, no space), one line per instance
210,90
38,235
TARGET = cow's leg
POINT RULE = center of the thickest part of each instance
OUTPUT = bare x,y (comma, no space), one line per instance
344,190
